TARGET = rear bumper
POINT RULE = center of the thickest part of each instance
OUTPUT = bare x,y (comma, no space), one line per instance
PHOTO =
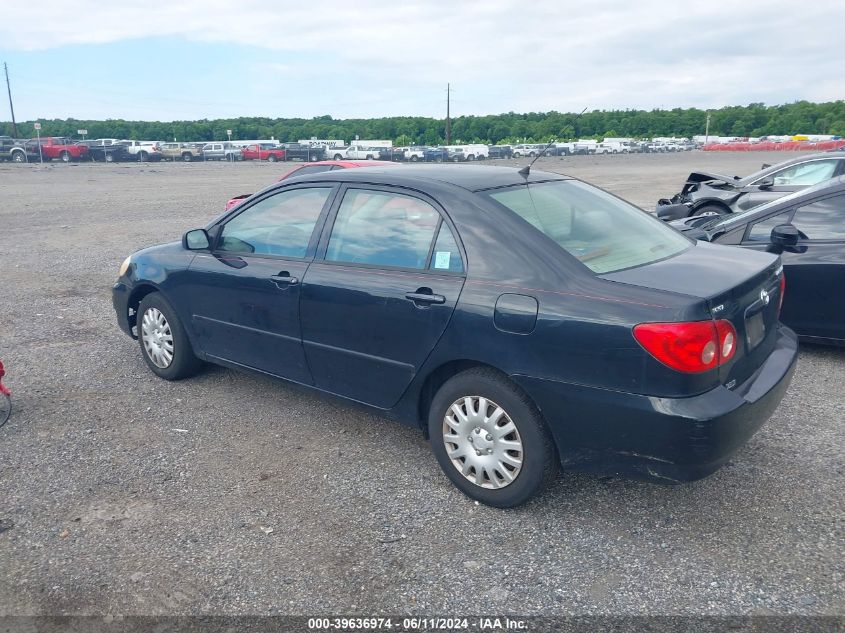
662,439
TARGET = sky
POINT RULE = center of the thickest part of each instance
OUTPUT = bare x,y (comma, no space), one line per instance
196,59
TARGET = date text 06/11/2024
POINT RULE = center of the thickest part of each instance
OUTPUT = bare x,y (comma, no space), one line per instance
417,624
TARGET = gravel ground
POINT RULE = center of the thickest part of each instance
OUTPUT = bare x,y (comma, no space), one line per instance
233,494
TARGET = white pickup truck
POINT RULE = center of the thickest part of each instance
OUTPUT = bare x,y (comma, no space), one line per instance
356,152
143,150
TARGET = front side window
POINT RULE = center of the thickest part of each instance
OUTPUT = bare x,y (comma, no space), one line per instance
805,174
761,231
383,229
604,233
281,224
822,220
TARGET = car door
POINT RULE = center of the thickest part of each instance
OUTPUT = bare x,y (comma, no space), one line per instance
814,303
243,295
792,178
378,301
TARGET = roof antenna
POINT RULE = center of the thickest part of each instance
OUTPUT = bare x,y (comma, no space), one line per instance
527,169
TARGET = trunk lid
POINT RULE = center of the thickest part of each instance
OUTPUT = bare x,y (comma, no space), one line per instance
743,290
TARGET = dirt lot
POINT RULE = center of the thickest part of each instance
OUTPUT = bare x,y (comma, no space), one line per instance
122,493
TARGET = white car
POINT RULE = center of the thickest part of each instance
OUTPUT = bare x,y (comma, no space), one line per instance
143,150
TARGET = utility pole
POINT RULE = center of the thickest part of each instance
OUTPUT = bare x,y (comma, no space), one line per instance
707,129
11,107
448,118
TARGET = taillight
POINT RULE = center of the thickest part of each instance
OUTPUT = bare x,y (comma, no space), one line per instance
691,347
782,292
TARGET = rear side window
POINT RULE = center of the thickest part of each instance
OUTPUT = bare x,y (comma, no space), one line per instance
383,229
446,255
604,233
279,225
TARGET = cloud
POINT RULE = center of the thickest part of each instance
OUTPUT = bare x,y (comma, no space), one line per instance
500,54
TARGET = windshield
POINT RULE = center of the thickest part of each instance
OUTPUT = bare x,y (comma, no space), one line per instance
604,233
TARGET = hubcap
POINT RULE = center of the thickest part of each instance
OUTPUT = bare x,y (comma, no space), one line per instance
482,442
157,338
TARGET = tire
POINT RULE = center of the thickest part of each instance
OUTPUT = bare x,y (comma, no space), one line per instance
471,157
370,157
143,156
187,157
337,157
516,155
529,437
271,158
531,154
710,209
18,157
109,158
65,156
182,362
414,158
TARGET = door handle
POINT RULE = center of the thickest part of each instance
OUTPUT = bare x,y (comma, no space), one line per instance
284,277
425,295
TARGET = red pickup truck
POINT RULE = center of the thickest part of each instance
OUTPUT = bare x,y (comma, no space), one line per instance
263,151
62,148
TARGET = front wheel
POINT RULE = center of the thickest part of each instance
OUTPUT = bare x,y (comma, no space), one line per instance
186,157
143,156
414,158
271,159
710,209
18,157
164,343
65,156
109,158
490,440
338,157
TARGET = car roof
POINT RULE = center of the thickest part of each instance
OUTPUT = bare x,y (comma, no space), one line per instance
469,177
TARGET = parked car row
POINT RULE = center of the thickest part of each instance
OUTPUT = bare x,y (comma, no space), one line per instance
111,150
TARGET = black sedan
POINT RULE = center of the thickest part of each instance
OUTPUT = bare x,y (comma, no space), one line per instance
712,194
807,228
523,321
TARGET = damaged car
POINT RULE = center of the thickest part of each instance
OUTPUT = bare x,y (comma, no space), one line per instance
706,194
807,230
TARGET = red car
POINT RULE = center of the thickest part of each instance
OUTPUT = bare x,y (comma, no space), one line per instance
264,151
61,148
317,166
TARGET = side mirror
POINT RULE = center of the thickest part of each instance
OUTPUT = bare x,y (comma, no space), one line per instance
784,235
766,183
196,240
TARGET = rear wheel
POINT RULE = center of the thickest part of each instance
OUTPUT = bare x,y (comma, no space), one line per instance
109,158
490,440
710,209
18,157
186,157
338,157
164,343
143,156
414,158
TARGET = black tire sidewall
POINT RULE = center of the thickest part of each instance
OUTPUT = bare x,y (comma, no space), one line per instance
540,461
185,363
700,211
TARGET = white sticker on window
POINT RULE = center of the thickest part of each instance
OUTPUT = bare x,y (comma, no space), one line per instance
442,259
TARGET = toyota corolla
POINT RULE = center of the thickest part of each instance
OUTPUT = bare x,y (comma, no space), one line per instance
523,321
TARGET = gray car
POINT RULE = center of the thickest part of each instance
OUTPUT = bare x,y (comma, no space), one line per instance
714,194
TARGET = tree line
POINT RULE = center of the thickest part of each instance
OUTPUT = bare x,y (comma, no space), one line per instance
755,119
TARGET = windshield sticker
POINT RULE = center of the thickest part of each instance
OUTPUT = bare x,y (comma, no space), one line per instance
442,259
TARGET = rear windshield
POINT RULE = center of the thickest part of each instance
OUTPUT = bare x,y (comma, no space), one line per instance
604,233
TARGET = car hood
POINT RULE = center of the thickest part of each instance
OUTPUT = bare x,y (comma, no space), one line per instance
715,179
